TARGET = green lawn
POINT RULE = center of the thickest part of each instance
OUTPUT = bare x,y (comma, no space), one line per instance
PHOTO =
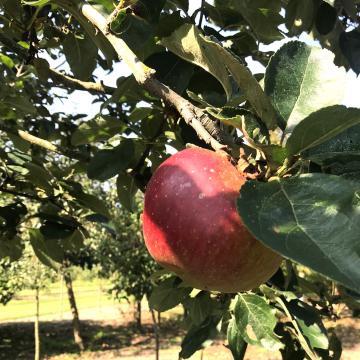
53,301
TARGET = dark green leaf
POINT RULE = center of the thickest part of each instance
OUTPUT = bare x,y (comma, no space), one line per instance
199,337
168,67
139,113
81,55
181,4
320,126
312,219
223,16
92,202
108,163
97,129
326,17
263,16
350,47
299,16
126,190
12,247
167,295
138,35
12,214
49,253
56,230
200,307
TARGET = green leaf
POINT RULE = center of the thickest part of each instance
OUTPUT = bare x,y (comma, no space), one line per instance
326,17
263,16
36,2
108,163
81,55
19,143
339,155
11,247
181,4
39,176
140,113
310,323
126,190
168,67
349,44
188,43
7,61
255,320
199,337
138,35
167,295
320,126
223,16
229,116
200,307
12,214
98,129
312,219
92,202
300,80
49,253
237,344
299,16
348,141
56,230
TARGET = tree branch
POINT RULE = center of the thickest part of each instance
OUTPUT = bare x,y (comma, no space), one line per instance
145,76
76,84
58,77
34,140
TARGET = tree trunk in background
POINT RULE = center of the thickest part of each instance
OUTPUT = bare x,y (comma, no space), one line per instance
37,325
75,314
157,335
138,314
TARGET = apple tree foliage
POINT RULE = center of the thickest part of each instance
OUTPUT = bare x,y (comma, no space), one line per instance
189,83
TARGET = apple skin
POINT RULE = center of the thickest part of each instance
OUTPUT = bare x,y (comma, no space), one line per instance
191,225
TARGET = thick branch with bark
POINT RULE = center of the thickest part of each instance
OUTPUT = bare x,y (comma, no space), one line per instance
145,76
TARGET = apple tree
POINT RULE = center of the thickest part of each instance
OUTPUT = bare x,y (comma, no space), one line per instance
189,82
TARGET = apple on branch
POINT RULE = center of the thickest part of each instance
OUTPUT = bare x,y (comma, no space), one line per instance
192,228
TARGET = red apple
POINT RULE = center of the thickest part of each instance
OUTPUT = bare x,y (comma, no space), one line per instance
192,228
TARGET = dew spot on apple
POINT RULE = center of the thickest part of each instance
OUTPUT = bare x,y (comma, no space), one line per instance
201,196
185,185
210,177
212,170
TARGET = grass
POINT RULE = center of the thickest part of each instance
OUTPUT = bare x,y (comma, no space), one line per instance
53,300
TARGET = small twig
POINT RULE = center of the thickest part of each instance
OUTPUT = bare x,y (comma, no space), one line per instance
58,77
34,140
76,84
201,13
301,337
